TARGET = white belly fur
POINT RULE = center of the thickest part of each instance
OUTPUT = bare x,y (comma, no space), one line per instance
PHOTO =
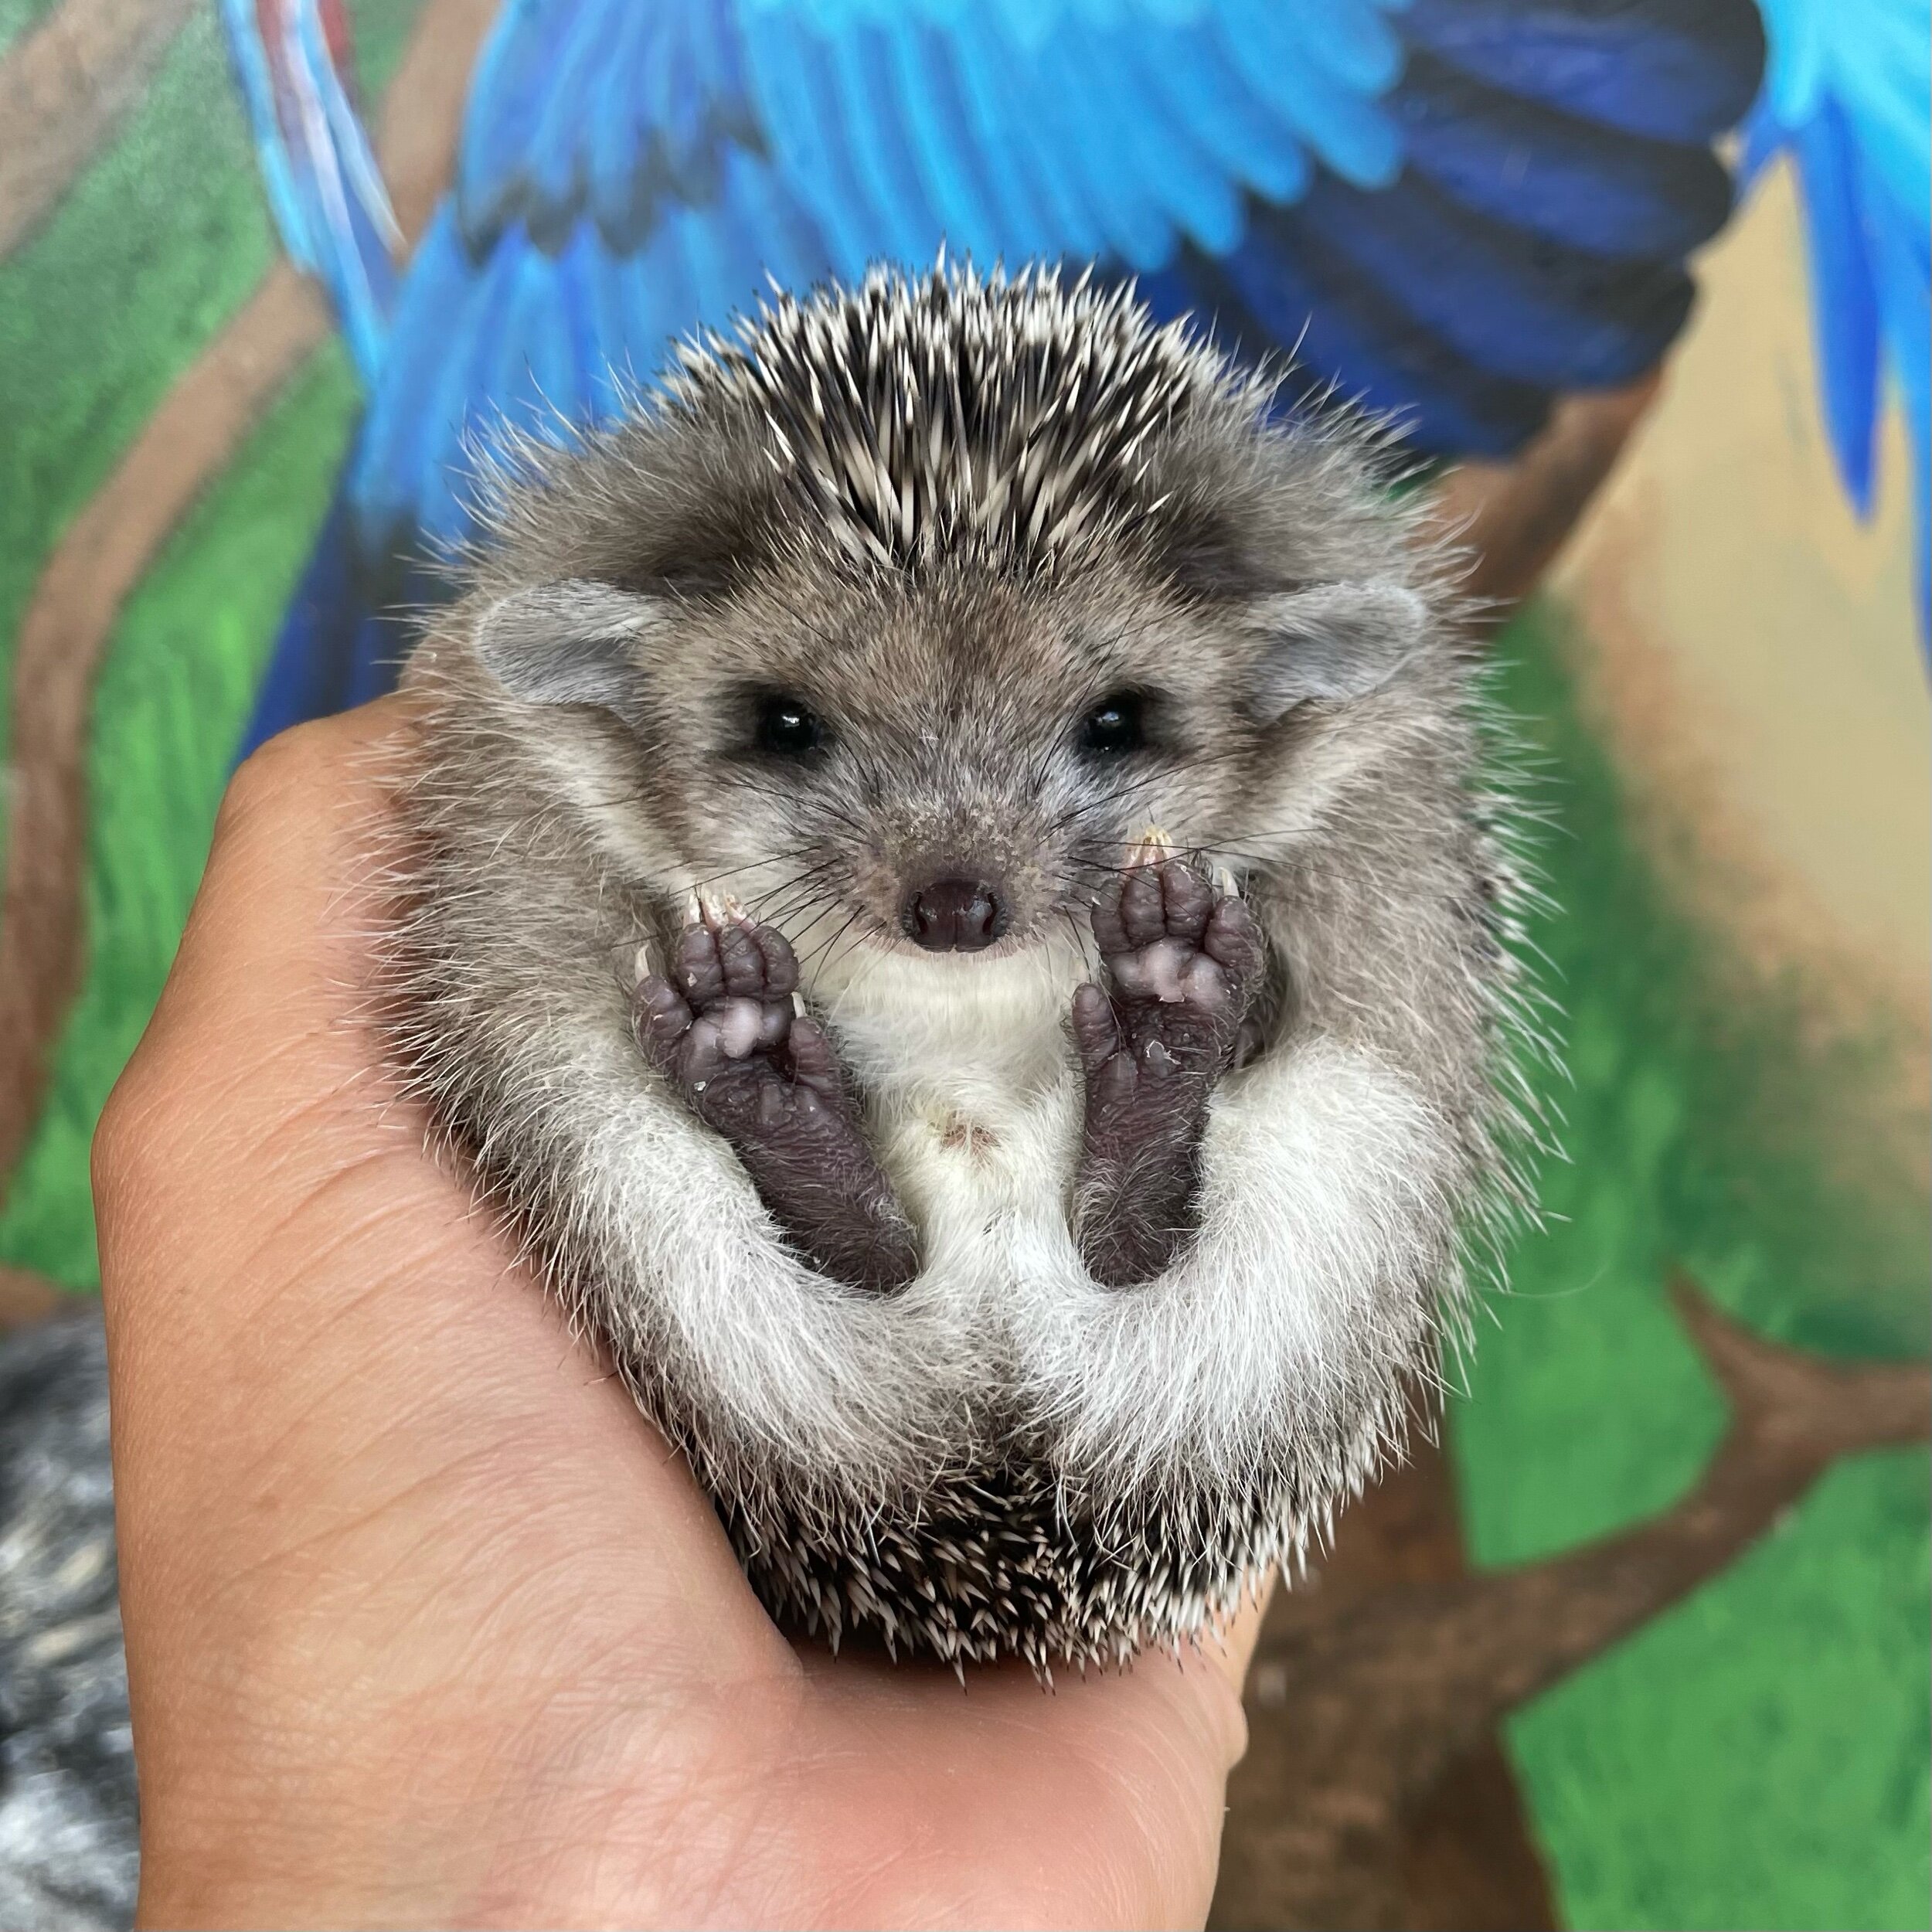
972,1092
1289,1319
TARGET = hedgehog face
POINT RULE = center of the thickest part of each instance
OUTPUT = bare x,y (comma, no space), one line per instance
948,768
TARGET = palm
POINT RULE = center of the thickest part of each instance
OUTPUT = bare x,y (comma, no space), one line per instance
424,1621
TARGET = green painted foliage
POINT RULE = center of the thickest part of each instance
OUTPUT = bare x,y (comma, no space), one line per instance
156,247
1759,1756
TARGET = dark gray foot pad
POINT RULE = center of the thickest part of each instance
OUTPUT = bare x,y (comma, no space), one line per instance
1183,961
720,1024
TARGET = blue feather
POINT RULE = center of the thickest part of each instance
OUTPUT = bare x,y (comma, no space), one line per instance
1672,70
679,105
616,127
608,364
1043,213
1352,43
437,292
1346,128
790,249
1179,172
554,165
856,72
790,110
660,297
506,100
475,385
1577,181
916,71
726,261
1201,89
1515,306
1132,225
1845,303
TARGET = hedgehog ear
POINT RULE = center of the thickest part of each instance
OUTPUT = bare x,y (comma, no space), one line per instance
568,643
1332,642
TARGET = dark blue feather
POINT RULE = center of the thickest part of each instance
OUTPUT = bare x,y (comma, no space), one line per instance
1350,339
1514,305
1577,181
1672,70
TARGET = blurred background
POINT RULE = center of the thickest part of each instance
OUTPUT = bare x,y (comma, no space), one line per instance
238,344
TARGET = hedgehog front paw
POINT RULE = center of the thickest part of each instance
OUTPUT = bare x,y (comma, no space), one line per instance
1183,961
721,1027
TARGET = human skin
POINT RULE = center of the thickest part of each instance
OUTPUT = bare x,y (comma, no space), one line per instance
426,1625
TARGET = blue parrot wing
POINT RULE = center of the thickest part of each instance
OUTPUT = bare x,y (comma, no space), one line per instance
1495,197
1449,209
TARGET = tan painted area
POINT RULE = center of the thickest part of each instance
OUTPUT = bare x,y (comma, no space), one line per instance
1753,647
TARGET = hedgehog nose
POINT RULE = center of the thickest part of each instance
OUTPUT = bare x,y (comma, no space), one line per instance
954,916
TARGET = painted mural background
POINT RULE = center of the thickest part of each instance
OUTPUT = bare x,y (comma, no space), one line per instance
1724,677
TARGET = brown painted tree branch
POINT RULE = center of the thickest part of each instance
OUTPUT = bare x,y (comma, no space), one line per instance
104,551
1514,516
1379,1690
65,86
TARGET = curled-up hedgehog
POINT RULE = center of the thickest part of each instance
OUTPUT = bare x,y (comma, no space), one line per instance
946,897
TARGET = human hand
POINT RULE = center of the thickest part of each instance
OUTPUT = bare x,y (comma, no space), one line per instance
425,1624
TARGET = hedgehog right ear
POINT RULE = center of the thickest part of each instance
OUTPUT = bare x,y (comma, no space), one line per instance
1330,643
568,643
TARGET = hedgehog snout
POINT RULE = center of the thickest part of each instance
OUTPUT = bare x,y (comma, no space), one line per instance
955,915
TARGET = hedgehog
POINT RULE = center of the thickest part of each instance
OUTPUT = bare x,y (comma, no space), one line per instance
946,891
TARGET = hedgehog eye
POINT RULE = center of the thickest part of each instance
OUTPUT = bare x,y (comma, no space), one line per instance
788,726
1115,726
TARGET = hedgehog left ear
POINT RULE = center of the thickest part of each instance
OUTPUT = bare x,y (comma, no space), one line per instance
566,643
1332,642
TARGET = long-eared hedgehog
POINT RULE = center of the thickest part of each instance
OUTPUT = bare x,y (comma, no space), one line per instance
947,894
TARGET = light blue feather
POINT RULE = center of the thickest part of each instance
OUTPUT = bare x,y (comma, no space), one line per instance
1848,94
324,189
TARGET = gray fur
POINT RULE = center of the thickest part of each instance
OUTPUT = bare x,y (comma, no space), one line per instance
69,1851
955,513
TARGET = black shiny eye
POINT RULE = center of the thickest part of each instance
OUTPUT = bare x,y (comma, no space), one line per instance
1114,726
788,726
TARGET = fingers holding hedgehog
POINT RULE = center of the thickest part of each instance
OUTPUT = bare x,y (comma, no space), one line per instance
1027,1221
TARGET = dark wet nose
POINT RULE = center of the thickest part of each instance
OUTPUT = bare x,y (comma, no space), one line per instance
954,916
